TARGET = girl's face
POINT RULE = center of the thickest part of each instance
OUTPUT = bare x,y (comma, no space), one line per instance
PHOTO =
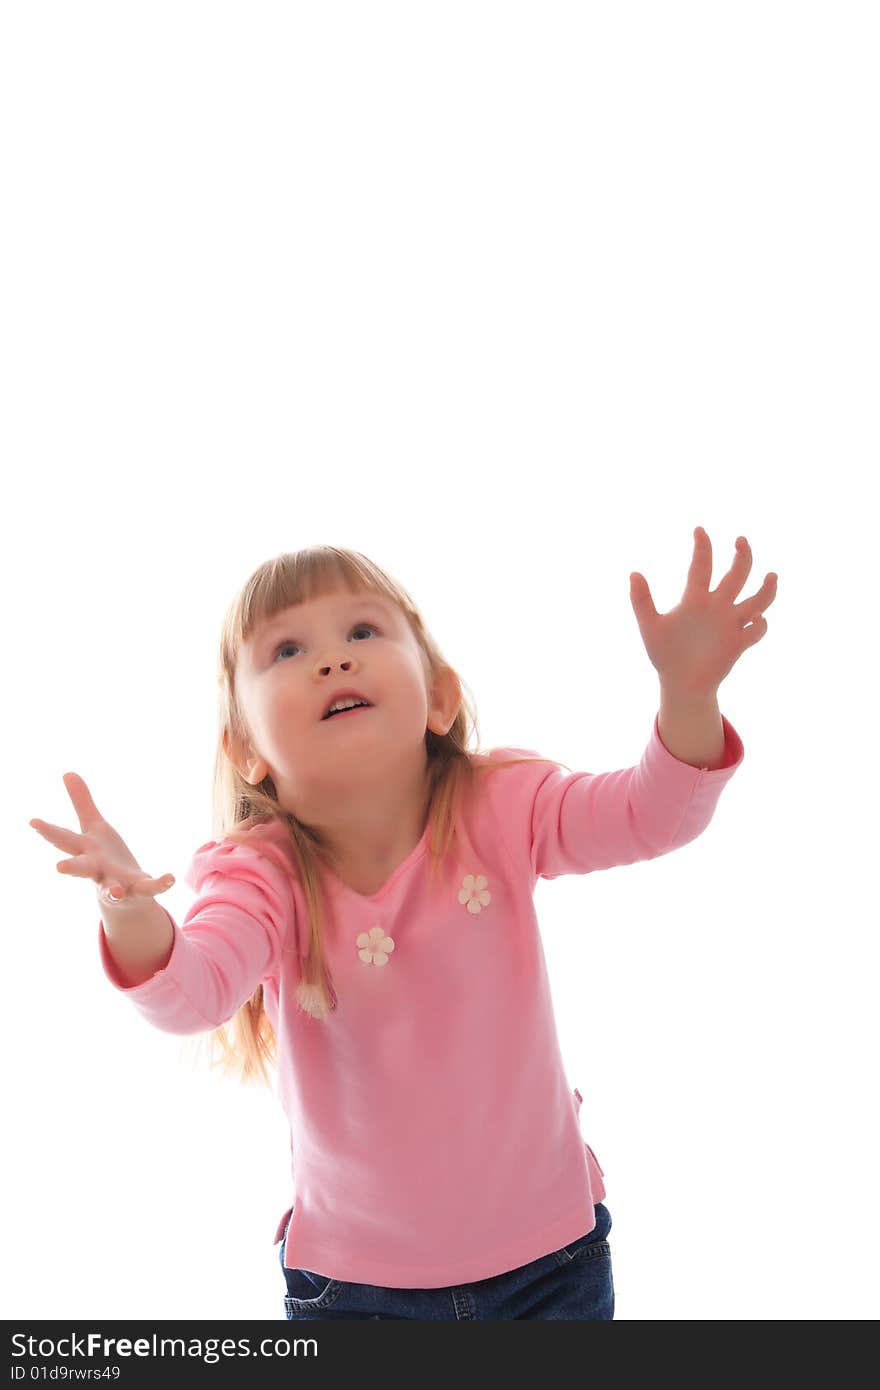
292,666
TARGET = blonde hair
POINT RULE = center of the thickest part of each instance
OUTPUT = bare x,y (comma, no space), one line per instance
453,769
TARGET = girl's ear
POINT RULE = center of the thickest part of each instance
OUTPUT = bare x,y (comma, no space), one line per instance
445,700
249,766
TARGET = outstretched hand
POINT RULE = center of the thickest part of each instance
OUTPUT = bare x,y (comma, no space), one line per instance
695,645
99,852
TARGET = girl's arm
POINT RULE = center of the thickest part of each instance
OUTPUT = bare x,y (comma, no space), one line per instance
691,729
234,935
139,938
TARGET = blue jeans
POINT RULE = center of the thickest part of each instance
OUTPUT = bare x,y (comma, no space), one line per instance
574,1282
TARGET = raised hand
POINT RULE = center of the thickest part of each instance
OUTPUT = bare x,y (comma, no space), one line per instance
695,645
99,853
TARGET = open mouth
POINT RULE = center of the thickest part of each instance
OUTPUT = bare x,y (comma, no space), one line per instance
346,713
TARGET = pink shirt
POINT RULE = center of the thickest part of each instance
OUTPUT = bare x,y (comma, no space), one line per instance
435,1138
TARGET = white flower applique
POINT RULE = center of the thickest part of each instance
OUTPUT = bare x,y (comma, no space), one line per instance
473,892
374,947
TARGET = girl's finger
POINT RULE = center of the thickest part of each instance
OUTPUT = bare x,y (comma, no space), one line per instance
140,887
58,835
82,867
156,885
85,808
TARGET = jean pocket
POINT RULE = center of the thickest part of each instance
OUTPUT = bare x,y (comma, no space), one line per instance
592,1244
308,1292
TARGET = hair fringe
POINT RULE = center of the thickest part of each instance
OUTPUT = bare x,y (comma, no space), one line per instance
246,1045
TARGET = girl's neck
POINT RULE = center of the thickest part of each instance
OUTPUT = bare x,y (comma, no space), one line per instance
366,857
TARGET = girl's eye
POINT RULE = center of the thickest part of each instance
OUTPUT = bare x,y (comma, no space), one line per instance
360,627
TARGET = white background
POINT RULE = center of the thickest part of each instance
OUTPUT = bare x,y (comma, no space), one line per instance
509,297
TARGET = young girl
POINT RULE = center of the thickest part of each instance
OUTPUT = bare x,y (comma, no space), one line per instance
365,918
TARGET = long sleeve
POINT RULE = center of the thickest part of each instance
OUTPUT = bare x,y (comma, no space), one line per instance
231,939
575,823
